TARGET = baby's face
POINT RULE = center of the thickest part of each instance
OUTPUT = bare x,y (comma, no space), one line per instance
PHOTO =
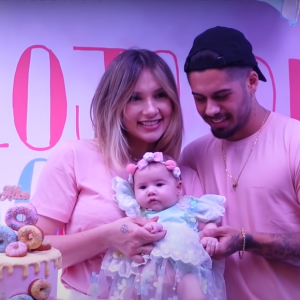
155,187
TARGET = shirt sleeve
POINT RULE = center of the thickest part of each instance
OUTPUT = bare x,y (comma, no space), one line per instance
56,192
190,181
186,158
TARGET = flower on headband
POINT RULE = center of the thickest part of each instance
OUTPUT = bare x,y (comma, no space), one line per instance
170,165
176,172
131,168
148,156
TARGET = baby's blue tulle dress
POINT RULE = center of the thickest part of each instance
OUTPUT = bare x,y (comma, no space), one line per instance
179,253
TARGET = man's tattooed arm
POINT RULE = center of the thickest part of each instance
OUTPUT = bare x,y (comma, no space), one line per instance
283,247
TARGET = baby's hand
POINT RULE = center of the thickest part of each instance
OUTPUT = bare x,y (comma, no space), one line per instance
153,227
210,244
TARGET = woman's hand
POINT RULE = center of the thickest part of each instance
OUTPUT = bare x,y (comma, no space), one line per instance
129,237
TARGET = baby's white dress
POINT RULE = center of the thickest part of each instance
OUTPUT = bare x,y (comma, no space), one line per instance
179,253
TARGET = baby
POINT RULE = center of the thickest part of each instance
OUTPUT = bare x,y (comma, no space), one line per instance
178,267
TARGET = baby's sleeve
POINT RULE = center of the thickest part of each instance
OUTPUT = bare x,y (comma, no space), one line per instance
56,192
208,208
125,198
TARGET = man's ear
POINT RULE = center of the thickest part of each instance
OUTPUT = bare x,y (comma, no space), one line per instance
252,81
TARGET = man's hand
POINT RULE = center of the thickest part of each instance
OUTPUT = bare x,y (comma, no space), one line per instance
229,239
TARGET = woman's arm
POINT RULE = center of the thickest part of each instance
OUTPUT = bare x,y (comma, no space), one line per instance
282,247
125,234
55,198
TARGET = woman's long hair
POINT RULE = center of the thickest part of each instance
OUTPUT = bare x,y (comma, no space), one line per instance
113,93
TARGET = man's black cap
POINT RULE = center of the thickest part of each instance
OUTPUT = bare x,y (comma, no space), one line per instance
231,46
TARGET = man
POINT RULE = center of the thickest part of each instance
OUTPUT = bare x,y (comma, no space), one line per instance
253,158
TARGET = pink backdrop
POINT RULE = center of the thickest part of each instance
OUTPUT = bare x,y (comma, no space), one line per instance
52,54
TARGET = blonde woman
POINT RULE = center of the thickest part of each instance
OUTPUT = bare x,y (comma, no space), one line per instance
135,109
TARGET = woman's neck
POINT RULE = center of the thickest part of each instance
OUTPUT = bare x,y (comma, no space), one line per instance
137,150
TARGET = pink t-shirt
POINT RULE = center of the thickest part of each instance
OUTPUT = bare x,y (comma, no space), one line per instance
266,200
75,187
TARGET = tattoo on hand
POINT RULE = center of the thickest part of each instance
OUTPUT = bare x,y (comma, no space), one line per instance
124,228
235,244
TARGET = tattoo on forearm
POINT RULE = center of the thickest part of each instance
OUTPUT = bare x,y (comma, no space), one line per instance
124,228
284,247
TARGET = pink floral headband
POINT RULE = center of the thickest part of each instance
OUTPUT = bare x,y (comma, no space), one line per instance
149,157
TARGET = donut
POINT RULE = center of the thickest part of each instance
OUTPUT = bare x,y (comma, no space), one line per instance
46,245
7,236
21,297
31,235
39,289
24,209
16,249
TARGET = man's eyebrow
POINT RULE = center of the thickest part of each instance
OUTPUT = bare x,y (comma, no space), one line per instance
217,92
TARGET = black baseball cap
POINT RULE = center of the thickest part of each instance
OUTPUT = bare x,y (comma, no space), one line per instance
231,45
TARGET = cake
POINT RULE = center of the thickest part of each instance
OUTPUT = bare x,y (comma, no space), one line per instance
17,273
28,263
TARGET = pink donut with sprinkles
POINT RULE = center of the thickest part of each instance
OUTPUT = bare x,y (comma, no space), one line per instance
16,249
25,209
40,289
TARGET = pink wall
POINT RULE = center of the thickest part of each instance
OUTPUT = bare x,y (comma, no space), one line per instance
52,54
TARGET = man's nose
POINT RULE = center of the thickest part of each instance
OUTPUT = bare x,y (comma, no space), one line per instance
212,108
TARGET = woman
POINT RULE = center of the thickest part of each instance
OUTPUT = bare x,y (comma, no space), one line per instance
135,109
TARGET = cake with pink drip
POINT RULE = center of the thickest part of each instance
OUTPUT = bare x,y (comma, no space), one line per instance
28,263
